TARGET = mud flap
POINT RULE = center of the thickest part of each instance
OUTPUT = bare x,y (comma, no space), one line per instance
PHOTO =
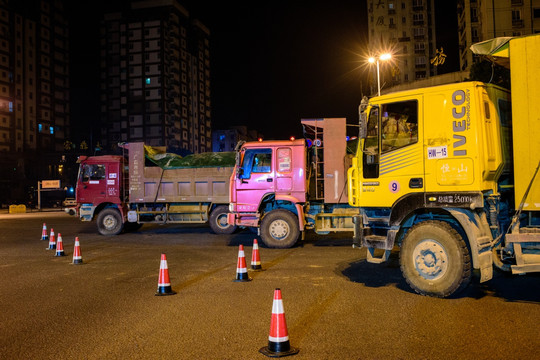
486,266
479,236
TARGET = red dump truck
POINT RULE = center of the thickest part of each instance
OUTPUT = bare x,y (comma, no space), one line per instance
147,185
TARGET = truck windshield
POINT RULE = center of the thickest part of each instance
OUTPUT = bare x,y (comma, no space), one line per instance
256,161
92,172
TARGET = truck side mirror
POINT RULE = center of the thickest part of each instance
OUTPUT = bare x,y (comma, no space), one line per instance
362,115
363,125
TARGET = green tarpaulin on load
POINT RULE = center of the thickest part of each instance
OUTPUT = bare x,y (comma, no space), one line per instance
173,161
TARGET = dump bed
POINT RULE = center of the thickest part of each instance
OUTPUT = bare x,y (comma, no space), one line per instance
178,185
520,54
525,81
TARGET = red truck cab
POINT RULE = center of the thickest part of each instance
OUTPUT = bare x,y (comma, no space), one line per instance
99,183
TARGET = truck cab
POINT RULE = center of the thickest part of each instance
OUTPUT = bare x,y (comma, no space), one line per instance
99,184
267,173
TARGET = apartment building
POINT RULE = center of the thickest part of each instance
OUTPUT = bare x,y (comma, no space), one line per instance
406,29
34,92
155,77
480,20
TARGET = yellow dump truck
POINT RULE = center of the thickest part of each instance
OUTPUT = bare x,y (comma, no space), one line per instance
450,175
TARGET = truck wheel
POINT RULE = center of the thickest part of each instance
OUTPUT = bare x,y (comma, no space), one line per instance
279,229
109,222
218,221
435,260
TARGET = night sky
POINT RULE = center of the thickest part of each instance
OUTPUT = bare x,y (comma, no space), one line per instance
271,64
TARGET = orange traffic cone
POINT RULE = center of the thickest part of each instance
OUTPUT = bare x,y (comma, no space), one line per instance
77,258
59,246
255,258
52,241
164,283
278,340
241,269
44,235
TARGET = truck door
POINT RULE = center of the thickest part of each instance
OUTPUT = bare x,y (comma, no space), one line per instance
255,178
92,186
392,159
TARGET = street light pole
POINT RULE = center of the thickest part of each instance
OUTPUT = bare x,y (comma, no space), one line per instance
372,60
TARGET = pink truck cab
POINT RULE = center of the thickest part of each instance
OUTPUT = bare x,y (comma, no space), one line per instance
284,187
274,169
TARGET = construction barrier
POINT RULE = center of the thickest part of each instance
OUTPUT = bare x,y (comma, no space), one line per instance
17,209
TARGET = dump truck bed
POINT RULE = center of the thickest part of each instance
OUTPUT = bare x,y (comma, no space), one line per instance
526,116
149,184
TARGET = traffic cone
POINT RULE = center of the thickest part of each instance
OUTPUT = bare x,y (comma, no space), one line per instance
164,284
52,242
77,258
278,340
59,246
44,235
241,269
255,258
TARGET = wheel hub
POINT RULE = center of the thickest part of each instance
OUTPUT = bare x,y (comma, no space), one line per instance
279,229
222,221
430,259
109,222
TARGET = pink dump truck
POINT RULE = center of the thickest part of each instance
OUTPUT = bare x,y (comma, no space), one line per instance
283,188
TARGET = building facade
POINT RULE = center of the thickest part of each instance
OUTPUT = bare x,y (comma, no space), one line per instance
34,93
155,77
480,20
226,140
406,29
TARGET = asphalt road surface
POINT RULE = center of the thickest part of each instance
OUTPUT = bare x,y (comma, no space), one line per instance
336,305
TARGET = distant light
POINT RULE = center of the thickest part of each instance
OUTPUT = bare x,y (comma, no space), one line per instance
386,56
147,81
371,60
51,129
260,139
292,138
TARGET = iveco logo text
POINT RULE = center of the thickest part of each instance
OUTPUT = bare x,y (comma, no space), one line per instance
462,120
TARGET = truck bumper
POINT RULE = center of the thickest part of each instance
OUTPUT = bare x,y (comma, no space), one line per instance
247,220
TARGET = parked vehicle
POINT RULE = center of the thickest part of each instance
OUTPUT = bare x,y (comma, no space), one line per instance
122,192
449,174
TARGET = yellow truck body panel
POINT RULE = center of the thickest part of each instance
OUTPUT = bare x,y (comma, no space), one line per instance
525,81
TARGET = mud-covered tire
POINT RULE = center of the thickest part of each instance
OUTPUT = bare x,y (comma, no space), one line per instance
279,229
109,222
218,221
435,260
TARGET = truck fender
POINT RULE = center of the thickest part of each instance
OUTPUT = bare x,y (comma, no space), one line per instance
478,233
298,206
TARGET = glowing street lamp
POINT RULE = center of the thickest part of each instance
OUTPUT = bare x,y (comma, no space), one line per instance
382,57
